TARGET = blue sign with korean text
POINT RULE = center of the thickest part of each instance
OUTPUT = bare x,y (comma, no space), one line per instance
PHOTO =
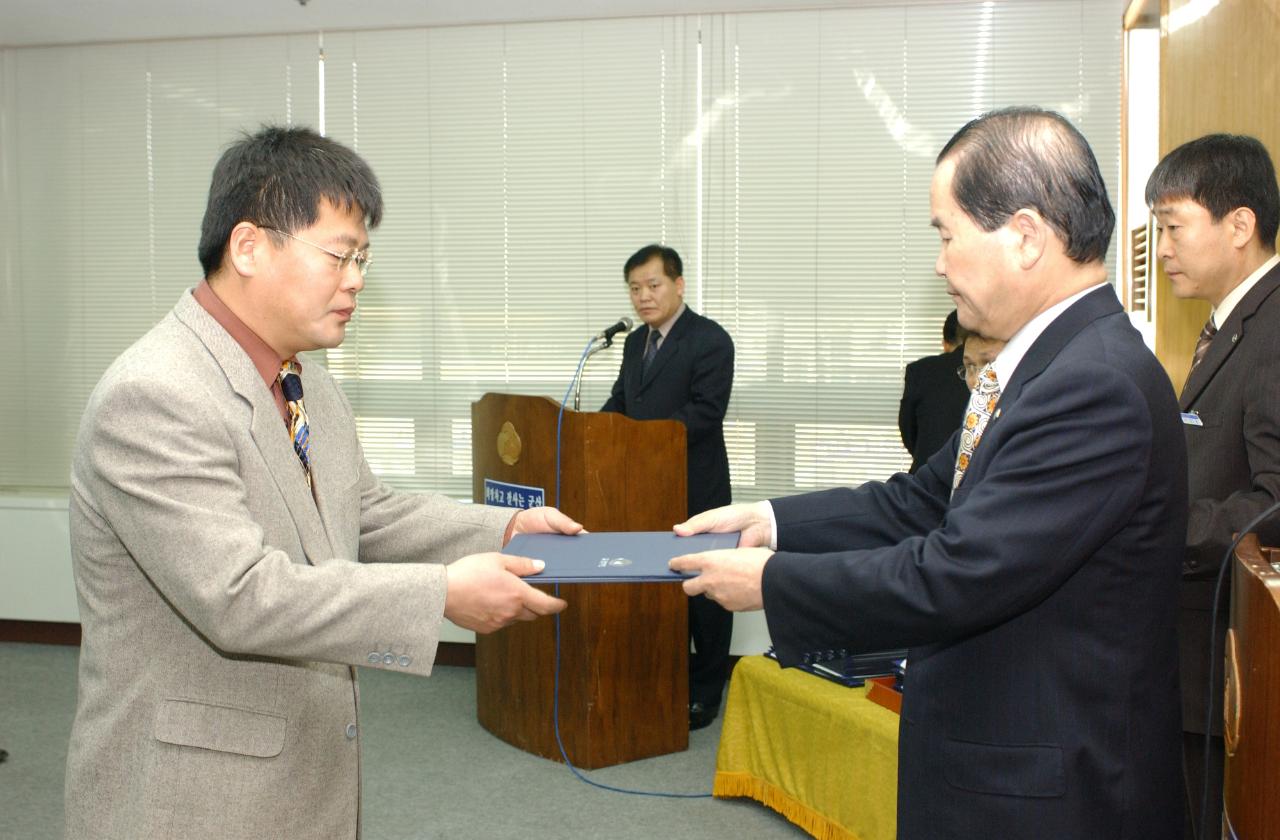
501,494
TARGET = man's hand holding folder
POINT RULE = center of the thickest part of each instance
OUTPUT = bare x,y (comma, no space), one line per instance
732,577
483,596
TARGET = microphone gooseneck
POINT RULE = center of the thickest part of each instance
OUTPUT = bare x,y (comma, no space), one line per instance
601,341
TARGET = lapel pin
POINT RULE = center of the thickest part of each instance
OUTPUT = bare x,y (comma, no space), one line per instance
997,413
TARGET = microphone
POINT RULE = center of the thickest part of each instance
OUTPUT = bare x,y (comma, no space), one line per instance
623,325
601,341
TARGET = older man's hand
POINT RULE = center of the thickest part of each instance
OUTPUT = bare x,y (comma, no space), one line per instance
753,521
731,577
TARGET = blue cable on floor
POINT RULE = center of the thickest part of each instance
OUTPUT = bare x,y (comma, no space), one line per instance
556,691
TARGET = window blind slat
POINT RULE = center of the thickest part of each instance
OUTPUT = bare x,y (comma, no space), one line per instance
521,165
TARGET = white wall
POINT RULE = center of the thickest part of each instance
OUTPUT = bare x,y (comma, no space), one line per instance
35,560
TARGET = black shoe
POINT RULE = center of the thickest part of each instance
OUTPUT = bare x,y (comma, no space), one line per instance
701,715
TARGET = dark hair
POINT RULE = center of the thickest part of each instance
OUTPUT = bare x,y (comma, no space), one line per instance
277,178
952,331
671,264
1018,158
1221,172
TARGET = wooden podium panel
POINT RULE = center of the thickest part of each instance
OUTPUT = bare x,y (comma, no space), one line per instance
624,679
1252,710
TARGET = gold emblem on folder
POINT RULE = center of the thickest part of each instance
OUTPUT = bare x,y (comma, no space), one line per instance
509,444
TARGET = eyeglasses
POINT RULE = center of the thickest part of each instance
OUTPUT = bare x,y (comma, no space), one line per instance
360,259
965,371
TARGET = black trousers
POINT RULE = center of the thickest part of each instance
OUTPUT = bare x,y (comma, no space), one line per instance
1193,773
711,629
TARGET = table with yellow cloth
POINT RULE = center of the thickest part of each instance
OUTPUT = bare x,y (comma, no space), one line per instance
820,754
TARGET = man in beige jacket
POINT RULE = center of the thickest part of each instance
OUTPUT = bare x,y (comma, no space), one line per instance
234,555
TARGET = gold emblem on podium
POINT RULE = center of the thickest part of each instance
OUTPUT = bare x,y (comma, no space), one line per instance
1231,708
509,444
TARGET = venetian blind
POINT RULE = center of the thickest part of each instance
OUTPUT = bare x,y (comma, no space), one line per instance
106,154
786,155
521,165
819,255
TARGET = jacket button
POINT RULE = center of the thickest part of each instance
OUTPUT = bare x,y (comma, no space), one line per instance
405,662
351,731
388,659
375,658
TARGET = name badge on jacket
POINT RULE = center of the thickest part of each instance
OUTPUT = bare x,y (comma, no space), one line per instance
1191,418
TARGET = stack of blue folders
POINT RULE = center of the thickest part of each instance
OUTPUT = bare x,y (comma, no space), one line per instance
848,669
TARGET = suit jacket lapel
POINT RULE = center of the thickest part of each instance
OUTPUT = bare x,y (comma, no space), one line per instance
1065,327
1229,335
331,457
267,429
1042,352
670,347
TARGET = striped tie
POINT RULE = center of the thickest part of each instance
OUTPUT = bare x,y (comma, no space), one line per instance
299,430
1203,343
650,349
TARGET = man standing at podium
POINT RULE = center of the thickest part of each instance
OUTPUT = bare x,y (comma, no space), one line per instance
1032,565
680,367
1217,207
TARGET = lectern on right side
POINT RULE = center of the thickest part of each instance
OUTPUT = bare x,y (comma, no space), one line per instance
624,648
1252,709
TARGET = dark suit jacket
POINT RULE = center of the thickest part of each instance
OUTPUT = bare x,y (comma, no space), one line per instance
933,404
689,380
1234,463
1039,601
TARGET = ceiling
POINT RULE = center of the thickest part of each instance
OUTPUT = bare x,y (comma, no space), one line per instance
41,22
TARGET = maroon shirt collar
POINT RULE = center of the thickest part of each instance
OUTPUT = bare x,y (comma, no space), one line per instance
265,360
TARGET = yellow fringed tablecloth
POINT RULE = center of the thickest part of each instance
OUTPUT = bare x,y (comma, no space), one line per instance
820,754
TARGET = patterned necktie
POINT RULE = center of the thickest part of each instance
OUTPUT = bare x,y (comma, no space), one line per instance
299,430
651,348
982,402
1203,342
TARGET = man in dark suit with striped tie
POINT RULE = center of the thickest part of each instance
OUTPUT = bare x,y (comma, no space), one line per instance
680,367
1217,208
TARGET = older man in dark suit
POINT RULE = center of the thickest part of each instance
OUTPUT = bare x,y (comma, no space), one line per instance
681,368
934,395
1032,566
1217,208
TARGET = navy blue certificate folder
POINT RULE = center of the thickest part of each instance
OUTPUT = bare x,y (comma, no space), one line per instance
612,557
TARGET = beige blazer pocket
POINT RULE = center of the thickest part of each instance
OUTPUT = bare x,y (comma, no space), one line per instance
188,723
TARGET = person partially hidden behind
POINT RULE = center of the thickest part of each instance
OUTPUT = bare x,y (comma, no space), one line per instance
933,400
978,352
1217,208
234,555
1032,566
680,367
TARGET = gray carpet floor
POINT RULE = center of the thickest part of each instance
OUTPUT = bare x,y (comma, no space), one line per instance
430,771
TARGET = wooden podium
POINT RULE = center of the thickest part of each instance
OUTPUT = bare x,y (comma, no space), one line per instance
624,648
1251,729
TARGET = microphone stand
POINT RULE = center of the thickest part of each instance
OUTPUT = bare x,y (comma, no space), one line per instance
597,344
